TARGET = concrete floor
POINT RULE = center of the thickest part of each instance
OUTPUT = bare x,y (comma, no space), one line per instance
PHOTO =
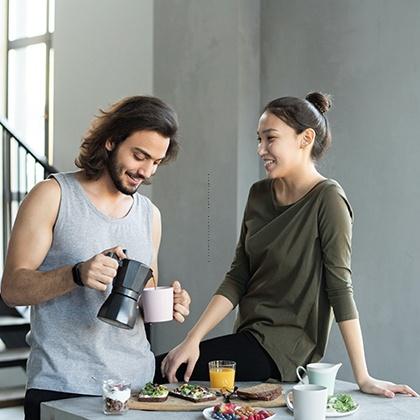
10,377
11,413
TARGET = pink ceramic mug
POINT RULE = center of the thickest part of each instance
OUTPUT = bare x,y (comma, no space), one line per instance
158,304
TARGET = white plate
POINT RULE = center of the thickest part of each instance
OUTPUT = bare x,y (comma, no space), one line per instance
207,413
331,412
334,413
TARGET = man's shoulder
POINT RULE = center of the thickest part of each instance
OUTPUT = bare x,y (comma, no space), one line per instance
146,201
42,202
48,188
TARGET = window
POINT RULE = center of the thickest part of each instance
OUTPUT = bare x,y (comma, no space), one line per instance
29,72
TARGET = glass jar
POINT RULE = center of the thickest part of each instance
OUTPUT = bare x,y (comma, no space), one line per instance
115,394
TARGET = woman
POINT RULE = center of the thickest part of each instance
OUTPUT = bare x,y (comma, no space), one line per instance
292,264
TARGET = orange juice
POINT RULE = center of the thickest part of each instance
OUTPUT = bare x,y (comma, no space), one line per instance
222,377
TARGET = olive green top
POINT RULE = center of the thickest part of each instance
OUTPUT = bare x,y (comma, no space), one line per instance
292,266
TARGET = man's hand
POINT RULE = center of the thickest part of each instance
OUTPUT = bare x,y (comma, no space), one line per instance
182,302
99,271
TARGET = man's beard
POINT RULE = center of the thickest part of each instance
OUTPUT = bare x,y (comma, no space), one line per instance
116,172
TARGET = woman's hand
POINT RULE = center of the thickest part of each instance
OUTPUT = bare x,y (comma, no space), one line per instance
189,350
352,336
385,388
182,302
186,352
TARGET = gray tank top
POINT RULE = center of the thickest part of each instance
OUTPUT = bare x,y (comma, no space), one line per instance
69,344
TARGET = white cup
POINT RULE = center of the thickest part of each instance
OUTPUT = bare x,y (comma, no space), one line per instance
309,402
158,304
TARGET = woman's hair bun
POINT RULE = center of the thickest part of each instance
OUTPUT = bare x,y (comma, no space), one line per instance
321,101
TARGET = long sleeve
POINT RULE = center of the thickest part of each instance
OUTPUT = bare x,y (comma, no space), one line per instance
335,229
234,285
292,264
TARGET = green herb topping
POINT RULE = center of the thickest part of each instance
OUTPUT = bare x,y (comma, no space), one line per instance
343,403
154,390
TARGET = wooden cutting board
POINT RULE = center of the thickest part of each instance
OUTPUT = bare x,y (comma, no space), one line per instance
178,404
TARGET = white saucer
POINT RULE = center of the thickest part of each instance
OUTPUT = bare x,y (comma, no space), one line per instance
331,412
207,413
334,413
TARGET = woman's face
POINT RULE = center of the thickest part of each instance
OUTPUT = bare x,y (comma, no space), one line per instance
279,146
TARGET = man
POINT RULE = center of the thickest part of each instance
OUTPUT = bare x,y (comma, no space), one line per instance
57,260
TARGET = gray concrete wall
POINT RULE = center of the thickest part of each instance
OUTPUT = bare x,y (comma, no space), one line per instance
3,83
3,55
366,54
202,52
206,64
203,57
103,52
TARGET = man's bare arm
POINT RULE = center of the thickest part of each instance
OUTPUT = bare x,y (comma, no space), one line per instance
30,241
29,244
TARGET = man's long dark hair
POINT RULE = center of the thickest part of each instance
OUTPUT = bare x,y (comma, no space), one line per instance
131,114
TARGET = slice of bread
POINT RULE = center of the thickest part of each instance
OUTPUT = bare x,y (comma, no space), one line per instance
148,398
153,393
193,399
264,392
194,393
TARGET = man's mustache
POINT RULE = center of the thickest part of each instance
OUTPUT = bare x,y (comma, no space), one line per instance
147,181
144,180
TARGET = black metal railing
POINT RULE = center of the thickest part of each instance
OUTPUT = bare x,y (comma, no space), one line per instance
22,169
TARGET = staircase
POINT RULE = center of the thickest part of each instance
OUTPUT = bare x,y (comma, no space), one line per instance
22,169
13,329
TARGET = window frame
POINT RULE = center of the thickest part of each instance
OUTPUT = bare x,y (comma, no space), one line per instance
18,43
